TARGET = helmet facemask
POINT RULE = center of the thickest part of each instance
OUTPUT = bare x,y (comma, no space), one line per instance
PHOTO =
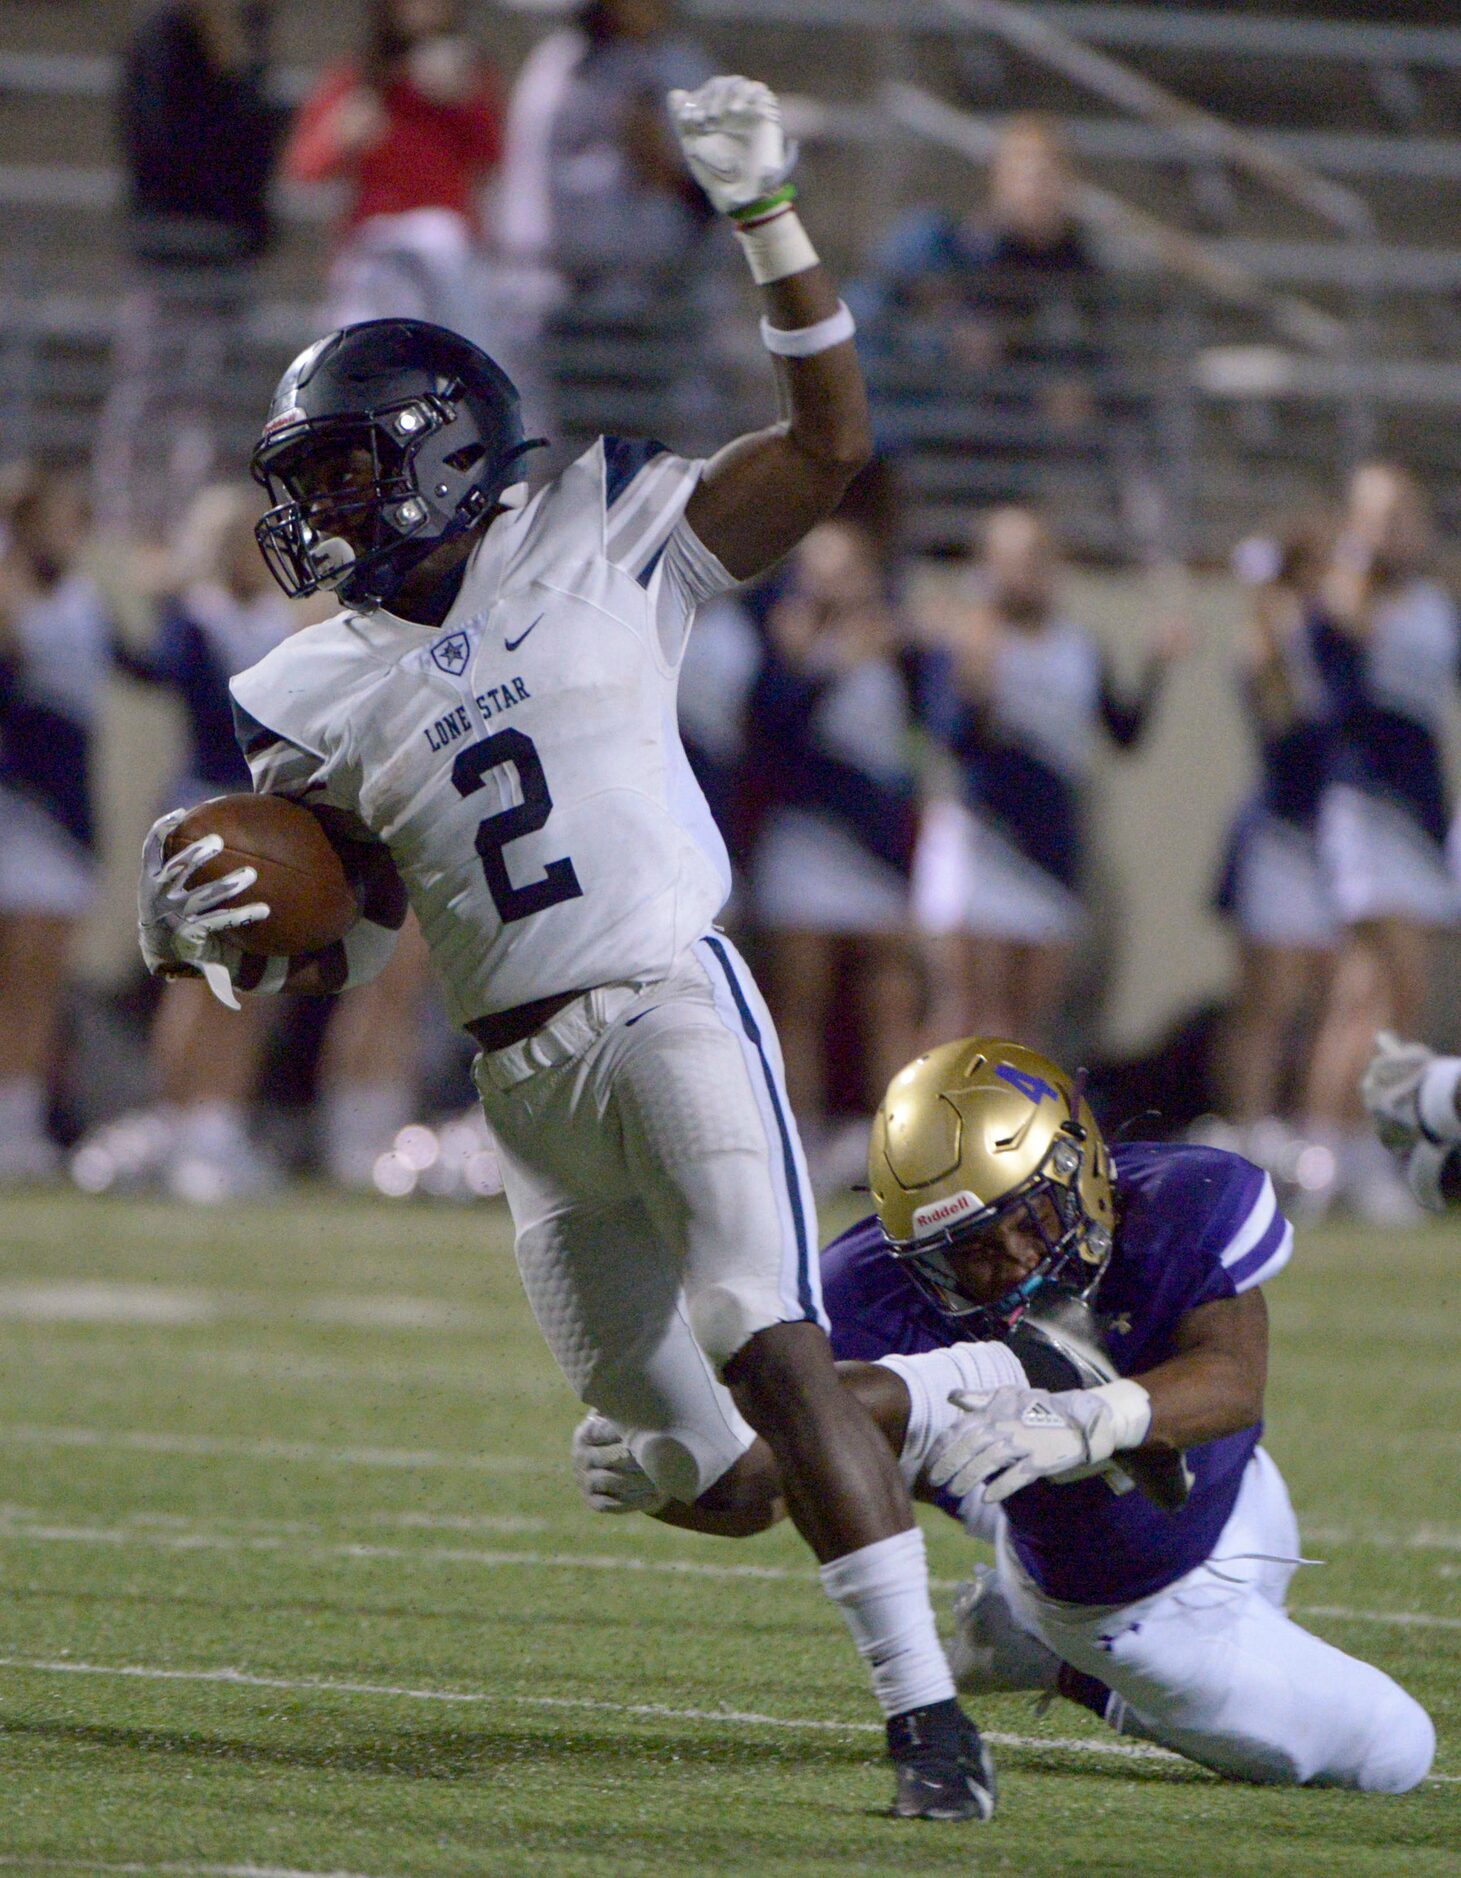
404,485
1076,1253
346,497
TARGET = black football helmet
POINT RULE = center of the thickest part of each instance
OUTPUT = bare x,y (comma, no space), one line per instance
383,440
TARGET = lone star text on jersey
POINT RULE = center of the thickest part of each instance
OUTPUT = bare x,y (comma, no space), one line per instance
491,703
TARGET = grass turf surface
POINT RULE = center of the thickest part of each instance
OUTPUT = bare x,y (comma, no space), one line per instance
297,1581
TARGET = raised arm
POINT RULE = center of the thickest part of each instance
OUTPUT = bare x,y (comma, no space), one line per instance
763,492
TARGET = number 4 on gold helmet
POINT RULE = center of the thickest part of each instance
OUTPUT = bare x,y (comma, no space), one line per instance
968,1134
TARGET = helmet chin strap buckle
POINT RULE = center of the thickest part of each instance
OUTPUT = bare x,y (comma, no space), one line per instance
329,556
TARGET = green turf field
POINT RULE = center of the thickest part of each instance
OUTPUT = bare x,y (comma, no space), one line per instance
298,1583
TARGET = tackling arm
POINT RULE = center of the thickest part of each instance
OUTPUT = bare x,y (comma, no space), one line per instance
1214,1384
763,492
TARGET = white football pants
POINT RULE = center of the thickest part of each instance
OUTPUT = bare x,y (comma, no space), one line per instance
661,1201
1212,1667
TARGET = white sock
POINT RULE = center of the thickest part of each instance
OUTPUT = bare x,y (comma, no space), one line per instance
883,1591
215,1130
360,1121
930,1378
1435,1100
22,1109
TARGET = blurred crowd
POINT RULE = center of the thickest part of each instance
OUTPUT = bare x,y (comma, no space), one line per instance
901,760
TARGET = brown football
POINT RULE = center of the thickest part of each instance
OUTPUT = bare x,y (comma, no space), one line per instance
311,902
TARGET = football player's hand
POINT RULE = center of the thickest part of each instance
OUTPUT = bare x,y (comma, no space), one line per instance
184,929
1390,1089
731,133
1010,1437
606,1473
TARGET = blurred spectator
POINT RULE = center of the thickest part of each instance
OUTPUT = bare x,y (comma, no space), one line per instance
1009,284
1273,886
828,726
195,1140
225,615
1385,635
526,286
1017,696
626,213
371,1065
413,125
53,658
629,225
198,141
722,660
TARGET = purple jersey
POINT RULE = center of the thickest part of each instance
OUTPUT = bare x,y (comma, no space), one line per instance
1194,1225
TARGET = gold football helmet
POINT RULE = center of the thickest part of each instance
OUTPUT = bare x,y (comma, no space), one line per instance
967,1134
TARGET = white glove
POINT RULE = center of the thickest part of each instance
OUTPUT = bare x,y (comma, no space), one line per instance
1410,1093
184,927
607,1474
1389,1088
731,133
1424,1167
1012,1436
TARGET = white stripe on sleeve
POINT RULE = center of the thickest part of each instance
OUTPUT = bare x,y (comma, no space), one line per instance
1254,1226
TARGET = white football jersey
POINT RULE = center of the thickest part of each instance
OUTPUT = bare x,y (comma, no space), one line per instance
521,761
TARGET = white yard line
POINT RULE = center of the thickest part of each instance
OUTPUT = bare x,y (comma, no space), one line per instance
196,1537
25,1435
82,1301
731,1718
168,1869
659,1711
1420,1539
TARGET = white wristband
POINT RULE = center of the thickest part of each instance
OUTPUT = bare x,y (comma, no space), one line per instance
776,247
1131,1410
802,342
1435,1099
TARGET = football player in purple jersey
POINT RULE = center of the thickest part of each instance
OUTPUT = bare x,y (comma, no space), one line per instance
1068,1346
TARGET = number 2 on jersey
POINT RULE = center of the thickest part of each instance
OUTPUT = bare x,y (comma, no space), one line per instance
468,773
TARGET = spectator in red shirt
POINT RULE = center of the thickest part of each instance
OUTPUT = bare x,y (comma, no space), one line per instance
413,125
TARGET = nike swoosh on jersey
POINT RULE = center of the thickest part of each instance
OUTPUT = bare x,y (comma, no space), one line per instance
511,645
638,1014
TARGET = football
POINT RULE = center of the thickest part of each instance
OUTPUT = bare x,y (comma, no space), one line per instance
300,876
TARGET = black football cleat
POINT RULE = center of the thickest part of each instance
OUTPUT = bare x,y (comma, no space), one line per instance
944,1769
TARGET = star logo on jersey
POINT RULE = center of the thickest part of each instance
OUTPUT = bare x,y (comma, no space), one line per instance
452,654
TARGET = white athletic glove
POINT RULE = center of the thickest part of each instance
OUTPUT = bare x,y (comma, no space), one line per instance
179,925
607,1474
1410,1093
731,133
1011,1436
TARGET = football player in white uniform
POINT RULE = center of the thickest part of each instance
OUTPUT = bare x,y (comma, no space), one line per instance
1413,1097
488,730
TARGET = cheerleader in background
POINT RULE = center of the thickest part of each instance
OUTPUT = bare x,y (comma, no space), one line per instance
226,615
1385,636
828,725
1017,696
1273,887
54,637
223,616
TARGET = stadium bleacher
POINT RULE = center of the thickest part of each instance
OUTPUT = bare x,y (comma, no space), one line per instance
1239,417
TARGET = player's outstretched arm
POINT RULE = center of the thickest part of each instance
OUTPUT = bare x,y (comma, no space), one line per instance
763,492
1211,1386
